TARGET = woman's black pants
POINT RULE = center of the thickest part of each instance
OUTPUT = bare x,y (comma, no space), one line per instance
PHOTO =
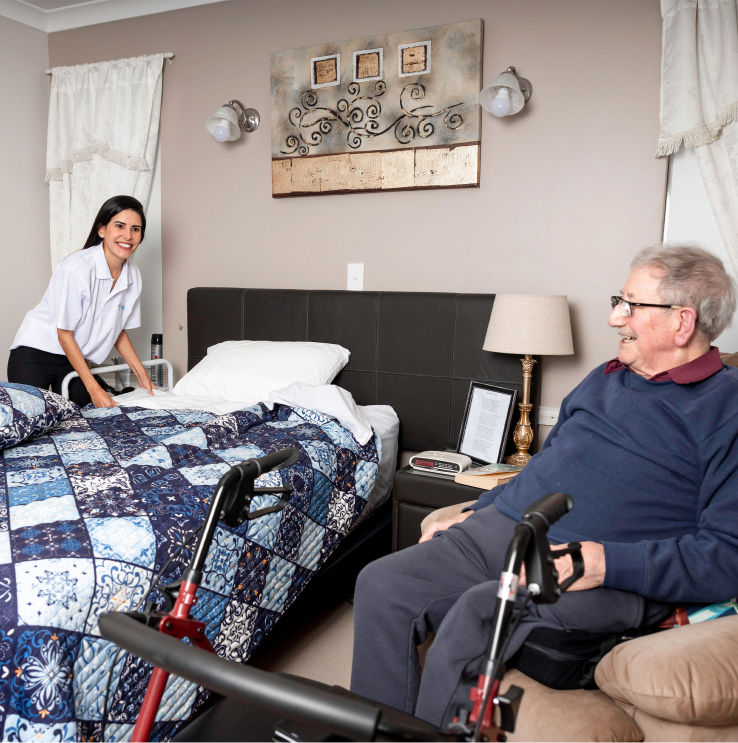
42,369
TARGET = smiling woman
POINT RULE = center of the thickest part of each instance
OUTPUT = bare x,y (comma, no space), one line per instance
92,298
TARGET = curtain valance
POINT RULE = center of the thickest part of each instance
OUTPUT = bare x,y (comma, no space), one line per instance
699,72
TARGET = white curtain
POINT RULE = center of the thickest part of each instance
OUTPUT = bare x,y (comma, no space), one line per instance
103,131
699,99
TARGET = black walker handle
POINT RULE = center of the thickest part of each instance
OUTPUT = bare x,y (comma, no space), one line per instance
550,508
277,460
232,501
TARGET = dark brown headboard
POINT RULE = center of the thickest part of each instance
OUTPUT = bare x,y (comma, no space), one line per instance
415,351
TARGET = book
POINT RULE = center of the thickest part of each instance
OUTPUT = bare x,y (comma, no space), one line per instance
487,477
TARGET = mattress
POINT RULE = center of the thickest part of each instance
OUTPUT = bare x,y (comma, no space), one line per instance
99,505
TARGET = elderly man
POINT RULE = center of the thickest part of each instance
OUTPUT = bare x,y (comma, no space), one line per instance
647,445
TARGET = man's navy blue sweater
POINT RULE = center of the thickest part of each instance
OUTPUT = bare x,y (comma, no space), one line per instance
653,471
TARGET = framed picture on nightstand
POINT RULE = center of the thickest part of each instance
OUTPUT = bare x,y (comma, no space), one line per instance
486,423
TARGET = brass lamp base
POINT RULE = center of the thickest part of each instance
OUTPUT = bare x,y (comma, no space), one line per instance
519,459
523,435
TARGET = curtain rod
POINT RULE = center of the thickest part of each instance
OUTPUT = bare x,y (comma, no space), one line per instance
167,55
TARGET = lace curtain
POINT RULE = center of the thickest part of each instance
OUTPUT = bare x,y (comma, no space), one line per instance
103,132
699,99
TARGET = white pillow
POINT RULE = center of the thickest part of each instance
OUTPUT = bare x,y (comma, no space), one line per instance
247,371
329,399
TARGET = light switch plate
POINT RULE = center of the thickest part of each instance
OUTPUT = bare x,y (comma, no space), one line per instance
355,280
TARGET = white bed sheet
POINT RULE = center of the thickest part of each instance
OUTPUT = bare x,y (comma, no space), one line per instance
382,418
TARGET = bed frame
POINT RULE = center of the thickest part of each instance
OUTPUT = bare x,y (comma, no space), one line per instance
417,352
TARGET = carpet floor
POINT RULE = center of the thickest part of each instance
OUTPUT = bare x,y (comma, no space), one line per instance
320,650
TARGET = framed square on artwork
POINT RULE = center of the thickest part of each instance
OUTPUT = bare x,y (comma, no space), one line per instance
368,65
414,59
325,71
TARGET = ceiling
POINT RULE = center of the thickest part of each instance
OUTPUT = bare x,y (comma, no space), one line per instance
53,4
59,15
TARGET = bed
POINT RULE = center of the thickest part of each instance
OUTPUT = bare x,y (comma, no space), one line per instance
414,352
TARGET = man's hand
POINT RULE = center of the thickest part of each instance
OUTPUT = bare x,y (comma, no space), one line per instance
443,524
593,555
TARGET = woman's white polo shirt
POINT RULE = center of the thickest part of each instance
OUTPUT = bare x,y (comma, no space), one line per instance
79,299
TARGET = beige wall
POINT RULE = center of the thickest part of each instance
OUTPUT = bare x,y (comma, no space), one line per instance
25,262
570,188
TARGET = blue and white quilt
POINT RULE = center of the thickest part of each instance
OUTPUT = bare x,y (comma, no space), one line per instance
91,511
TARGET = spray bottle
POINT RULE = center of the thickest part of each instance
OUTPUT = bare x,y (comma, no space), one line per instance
156,373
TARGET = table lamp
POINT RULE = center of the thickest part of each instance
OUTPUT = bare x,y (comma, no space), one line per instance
528,324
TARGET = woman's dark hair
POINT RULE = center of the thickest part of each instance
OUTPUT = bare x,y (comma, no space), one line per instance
108,210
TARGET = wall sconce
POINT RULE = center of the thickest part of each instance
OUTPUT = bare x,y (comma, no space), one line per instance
226,124
507,95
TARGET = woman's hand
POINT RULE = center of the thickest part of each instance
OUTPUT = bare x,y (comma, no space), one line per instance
126,350
100,398
145,383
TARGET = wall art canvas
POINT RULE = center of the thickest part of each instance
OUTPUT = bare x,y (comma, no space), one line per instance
383,113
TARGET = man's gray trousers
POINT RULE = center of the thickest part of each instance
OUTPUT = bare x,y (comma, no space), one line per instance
448,585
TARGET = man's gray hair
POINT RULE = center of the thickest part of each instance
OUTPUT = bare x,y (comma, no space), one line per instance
693,277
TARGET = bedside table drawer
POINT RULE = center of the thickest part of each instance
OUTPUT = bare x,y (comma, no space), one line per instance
417,495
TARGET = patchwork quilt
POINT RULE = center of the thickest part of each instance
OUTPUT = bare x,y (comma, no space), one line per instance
90,513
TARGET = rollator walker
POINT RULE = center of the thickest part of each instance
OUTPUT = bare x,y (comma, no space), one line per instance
288,708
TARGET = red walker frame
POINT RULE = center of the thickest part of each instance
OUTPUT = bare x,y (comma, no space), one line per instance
231,504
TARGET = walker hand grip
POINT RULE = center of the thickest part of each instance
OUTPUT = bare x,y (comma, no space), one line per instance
550,507
277,460
575,550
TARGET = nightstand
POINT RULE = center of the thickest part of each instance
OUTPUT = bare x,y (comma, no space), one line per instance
415,496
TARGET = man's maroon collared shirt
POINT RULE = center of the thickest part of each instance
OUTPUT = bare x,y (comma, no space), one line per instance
693,371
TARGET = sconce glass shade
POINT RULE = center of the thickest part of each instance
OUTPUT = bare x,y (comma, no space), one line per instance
223,124
488,95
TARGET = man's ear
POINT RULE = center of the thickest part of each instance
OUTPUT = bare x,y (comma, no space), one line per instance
686,318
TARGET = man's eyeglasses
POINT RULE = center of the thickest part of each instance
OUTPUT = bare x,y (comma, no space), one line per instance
627,307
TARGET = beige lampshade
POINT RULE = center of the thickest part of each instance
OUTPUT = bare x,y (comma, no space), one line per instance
537,324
